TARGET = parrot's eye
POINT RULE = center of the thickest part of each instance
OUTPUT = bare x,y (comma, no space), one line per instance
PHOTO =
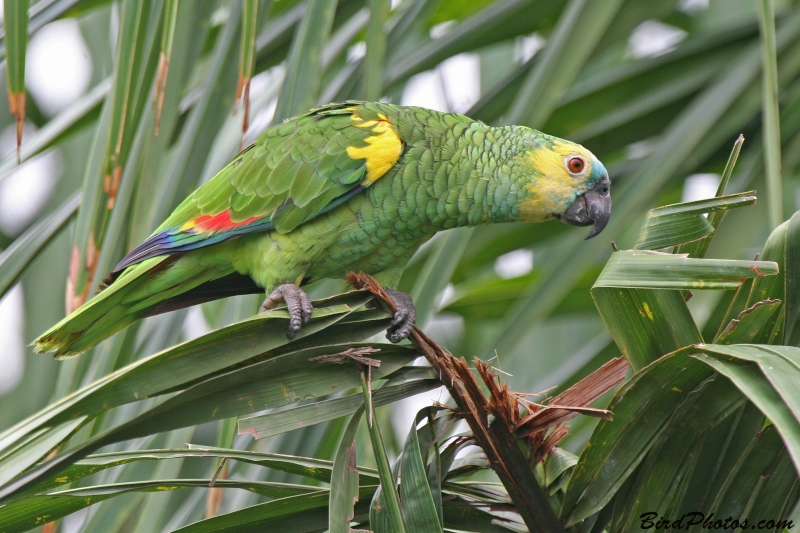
576,164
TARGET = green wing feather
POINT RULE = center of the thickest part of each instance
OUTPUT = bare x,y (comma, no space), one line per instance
291,174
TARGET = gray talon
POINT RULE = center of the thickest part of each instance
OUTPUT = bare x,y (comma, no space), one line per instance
404,318
297,303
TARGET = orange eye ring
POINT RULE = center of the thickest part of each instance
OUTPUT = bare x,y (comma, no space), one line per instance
576,164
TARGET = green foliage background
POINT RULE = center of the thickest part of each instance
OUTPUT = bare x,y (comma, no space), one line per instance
651,120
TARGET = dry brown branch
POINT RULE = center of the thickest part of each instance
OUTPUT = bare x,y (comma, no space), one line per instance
496,439
496,422
576,399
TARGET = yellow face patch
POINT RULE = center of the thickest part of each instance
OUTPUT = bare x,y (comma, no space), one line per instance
383,147
551,163
551,182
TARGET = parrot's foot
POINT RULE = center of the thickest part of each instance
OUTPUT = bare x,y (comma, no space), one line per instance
297,302
404,318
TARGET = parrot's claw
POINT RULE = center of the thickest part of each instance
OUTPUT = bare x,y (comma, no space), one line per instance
297,303
404,318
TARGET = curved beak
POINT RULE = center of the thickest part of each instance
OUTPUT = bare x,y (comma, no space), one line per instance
591,209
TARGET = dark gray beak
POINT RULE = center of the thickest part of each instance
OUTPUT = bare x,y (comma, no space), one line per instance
591,209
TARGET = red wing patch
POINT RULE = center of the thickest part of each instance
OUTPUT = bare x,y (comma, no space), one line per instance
216,223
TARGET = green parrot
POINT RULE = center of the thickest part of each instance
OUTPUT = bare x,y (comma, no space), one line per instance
346,186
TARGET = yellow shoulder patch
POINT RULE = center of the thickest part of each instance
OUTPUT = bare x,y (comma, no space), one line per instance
383,147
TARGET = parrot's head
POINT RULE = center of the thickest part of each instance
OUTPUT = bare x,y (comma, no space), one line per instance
567,183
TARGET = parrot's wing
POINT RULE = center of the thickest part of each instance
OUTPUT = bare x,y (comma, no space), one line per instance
294,172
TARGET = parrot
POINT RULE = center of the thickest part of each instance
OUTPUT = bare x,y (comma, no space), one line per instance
349,186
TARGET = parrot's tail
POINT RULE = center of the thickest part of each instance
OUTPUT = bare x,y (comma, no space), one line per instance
154,286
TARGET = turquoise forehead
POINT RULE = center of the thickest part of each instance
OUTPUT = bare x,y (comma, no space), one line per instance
598,170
